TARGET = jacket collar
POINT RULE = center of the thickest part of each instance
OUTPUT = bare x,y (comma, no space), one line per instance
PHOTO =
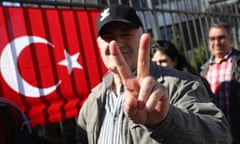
225,58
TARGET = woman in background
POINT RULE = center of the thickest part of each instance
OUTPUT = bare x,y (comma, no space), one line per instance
165,53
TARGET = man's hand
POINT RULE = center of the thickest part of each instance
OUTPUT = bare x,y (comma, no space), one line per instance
146,100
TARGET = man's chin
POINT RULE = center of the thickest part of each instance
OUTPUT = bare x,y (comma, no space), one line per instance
220,52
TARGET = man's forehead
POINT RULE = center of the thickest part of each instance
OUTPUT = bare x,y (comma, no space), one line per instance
218,29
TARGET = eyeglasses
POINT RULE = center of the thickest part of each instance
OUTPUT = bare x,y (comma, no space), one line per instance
221,37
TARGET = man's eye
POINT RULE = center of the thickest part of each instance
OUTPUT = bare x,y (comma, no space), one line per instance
221,37
126,34
107,37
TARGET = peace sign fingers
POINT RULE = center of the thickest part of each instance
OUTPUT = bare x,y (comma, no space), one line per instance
143,56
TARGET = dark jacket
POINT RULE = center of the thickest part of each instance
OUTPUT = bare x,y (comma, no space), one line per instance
234,97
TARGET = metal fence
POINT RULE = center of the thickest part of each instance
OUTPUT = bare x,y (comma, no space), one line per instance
184,22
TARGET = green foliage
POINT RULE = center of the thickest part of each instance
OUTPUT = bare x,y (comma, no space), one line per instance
199,55
177,40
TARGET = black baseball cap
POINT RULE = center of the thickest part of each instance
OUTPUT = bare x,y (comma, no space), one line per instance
118,13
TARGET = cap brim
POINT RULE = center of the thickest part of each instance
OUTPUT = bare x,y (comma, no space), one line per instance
100,28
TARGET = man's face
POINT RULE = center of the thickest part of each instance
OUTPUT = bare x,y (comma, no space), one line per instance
127,39
219,41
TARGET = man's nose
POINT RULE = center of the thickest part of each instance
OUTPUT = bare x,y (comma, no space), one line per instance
120,42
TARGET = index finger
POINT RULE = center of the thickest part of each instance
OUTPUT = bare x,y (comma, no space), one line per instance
143,56
120,63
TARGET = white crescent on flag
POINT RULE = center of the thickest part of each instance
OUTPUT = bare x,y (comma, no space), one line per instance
9,68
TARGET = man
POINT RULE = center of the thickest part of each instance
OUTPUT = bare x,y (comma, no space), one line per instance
142,103
223,73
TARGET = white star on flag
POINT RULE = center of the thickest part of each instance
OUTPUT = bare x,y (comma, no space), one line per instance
70,61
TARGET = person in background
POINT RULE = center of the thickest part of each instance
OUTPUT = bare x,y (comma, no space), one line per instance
165,53
222,71
137,101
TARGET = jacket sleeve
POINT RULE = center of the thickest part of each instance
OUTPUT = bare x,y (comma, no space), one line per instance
88,118
192,117
81,134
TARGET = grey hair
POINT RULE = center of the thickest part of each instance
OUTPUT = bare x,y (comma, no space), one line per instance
221,24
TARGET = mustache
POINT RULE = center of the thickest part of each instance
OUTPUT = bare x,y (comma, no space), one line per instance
123,50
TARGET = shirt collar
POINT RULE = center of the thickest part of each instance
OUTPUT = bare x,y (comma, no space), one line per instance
225,58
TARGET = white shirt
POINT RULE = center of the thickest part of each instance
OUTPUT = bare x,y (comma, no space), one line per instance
109,124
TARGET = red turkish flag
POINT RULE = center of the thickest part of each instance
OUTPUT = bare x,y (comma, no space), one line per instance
49,60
